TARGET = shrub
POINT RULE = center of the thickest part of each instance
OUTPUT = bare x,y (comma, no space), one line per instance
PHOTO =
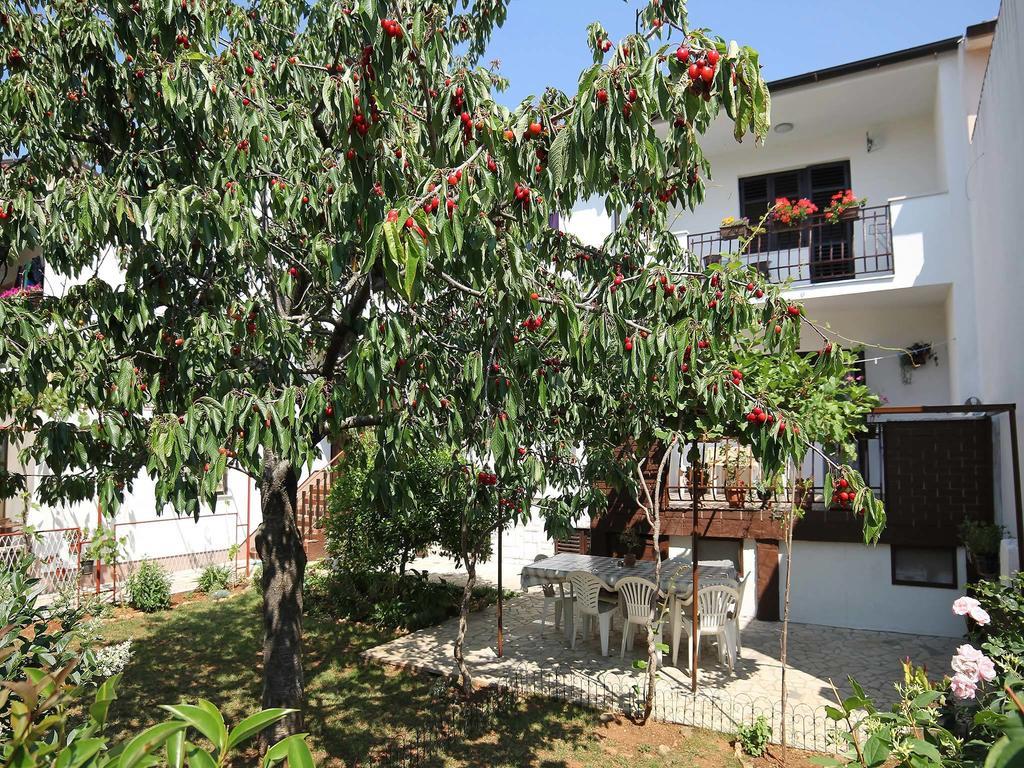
370,527
957,720
754,738
1002,638
386,600
149,588
34,636
112,659
214,578
50,733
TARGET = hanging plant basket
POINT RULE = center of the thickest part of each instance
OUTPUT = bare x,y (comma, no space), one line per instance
916,355
737,231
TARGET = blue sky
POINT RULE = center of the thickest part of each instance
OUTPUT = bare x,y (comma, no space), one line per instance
544,41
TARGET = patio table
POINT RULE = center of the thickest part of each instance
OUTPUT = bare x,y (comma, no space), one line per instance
676,578
675,572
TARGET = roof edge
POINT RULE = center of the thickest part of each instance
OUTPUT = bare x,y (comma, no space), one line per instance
874,62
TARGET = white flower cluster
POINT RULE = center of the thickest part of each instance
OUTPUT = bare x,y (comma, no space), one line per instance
112,659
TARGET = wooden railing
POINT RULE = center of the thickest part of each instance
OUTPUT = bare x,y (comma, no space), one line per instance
727,479
815,251
312,504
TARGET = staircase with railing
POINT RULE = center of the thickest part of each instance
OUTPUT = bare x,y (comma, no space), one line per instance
311,507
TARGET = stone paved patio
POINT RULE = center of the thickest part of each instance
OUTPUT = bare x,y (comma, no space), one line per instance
540,660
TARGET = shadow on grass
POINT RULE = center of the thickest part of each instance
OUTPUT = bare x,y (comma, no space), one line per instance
354,711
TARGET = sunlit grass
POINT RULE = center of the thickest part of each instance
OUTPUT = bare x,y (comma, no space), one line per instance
213,649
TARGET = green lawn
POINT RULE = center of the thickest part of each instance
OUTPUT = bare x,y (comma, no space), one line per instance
212,649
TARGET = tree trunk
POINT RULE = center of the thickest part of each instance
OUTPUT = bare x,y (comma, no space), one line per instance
785,624
655,620
279,545
465,679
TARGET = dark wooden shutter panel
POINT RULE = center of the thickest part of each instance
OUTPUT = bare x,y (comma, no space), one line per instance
825,180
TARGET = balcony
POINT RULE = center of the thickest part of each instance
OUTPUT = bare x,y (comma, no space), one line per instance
816,251
933,466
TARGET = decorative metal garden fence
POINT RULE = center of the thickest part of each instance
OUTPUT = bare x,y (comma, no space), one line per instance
456,721
54,556
806,727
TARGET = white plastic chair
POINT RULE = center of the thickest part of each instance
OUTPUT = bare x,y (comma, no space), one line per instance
551,599
735,625
586,589
636,595
714,605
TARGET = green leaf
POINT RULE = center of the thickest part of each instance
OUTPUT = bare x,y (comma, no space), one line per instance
558,157
876,750
294,749
207,722
148,742
1006,753
79,752
410,274
834,713
254,724
197,757
176,750
925,749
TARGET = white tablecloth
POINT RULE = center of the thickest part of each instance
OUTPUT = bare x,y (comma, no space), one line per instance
675,573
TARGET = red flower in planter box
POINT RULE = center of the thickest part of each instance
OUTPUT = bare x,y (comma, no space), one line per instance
842,202
788,213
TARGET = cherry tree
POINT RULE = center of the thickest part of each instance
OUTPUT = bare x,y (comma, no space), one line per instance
276,221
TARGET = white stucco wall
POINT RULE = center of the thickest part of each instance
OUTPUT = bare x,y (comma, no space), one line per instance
903,163
996,167
891,325
850,585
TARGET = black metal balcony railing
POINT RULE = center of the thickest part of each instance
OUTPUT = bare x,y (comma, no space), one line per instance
815,251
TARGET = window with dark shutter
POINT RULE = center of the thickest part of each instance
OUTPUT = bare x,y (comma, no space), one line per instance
831,248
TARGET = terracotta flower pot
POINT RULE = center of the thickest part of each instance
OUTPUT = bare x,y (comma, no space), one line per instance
850,214
736,496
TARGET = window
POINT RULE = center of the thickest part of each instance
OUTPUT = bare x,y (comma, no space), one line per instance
831,247
924,566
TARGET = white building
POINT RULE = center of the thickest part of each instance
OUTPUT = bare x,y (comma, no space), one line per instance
930,136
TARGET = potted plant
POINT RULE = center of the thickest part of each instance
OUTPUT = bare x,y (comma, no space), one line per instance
844,207
732,228
630,541
914,356
981,540
735,465
697,480
787,215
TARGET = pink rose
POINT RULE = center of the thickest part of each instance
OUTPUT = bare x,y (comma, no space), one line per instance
986,669
968,606
964,605
966,662
962,687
